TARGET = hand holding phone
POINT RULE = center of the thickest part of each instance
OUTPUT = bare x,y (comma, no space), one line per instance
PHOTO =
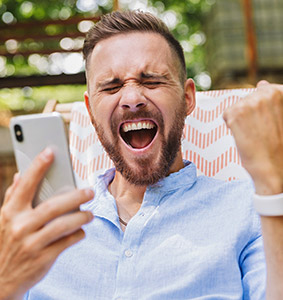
32,238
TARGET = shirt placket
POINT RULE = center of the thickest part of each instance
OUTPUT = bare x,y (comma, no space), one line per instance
126,279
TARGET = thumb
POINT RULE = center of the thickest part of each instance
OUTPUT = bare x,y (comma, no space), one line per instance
262,83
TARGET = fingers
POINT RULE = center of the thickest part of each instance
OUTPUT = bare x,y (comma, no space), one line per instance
57,206
29,182
12,187
267,100
56,248
32,238
265,85
59,228
262,83
256,123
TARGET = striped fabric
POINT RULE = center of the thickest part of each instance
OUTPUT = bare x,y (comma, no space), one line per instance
206,140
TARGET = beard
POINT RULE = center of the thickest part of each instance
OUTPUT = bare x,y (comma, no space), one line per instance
148,171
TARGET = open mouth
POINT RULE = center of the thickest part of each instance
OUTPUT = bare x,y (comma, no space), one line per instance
138,134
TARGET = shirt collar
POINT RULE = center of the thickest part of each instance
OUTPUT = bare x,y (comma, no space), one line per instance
176,180
104,204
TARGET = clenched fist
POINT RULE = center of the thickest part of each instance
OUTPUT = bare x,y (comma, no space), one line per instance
256,123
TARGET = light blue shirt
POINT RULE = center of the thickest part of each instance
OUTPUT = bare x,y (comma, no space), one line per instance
193,238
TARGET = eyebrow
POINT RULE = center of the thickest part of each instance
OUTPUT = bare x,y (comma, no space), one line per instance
152,76
116,80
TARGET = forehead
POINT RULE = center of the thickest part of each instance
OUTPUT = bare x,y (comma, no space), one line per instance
130,54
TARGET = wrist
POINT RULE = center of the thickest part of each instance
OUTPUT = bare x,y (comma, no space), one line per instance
267,177
268,184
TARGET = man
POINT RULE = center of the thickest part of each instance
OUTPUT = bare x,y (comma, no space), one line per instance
159,232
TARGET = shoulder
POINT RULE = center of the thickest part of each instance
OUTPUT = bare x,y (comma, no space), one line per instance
223,201
236,188
209,187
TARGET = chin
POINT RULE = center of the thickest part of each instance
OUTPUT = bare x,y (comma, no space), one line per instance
145,171
142,178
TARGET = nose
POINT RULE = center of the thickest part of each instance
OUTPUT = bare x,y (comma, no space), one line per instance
132,98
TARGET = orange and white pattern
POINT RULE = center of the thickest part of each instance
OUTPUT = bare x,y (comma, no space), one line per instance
206,140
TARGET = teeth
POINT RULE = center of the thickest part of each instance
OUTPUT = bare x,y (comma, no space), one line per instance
137,126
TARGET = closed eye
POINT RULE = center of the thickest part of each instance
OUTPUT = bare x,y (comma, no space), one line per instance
152,84
112,89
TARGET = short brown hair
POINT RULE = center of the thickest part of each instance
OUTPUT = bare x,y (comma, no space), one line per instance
129,21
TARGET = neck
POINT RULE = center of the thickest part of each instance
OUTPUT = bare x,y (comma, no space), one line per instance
129,197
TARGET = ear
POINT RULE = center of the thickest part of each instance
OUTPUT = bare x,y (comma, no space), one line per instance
87,104
86,96
190,95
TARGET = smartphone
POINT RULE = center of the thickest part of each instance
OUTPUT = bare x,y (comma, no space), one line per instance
31,134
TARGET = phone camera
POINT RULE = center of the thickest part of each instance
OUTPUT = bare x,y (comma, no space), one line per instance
18,133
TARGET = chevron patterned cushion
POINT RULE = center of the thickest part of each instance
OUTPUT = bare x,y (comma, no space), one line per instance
206,140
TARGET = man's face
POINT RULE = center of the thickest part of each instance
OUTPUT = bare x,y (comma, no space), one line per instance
137,104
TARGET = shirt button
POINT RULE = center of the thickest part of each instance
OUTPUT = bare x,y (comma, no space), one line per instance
142,214
129,253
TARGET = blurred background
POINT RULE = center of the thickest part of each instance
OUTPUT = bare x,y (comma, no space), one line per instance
227,44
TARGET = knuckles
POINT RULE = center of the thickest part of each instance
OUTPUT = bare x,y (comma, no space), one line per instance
6,214
260,101
236,112
277,97
17,230
8,193
271,94
28,248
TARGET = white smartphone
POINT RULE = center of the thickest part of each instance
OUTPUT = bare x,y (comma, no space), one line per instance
31,134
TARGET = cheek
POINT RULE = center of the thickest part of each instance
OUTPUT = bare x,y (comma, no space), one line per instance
102,110
167,102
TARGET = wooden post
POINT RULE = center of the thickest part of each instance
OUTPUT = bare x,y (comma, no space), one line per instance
251,42
115,4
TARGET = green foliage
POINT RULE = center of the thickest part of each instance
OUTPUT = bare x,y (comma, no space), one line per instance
33,99
184,18
190,15
27,10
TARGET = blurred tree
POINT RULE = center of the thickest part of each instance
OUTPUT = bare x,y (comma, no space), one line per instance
184,18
